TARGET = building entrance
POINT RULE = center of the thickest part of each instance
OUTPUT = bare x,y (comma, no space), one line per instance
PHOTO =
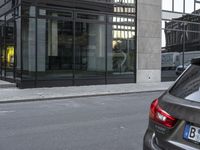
71,47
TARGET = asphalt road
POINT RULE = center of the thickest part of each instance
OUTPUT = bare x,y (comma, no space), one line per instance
95,123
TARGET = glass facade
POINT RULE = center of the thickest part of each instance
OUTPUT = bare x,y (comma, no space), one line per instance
9,21
75,42
180,36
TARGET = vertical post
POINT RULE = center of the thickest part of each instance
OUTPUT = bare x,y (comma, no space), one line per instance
74,40
106,50
135,62
21,46
15,45
4,47
36,45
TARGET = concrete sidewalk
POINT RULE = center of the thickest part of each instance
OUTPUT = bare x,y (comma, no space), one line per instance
4,84
11,95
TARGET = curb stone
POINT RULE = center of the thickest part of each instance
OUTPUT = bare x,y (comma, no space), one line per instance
72,97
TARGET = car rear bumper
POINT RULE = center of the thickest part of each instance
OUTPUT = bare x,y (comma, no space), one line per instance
149,142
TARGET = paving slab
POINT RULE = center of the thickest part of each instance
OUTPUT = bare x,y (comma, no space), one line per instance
11,95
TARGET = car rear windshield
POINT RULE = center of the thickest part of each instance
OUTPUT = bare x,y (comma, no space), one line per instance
188,85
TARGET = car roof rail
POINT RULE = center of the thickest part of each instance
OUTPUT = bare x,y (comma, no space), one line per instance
195,61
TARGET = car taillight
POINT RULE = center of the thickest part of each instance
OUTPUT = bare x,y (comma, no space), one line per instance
160,116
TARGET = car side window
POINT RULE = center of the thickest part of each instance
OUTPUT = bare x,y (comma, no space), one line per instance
188,86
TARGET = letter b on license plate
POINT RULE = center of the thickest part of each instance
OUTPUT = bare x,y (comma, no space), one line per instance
192,133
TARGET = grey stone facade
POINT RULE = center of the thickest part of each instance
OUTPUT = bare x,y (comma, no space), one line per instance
148,41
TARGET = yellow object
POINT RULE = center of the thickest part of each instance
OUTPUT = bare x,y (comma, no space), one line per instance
10,55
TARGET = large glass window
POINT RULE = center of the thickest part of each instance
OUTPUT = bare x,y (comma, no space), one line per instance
28,11
71,44
55,49
90,51
10,49
172,47
8,42
167,5
121,51
180,37
28,48
197,5
80,52
189,6
178,5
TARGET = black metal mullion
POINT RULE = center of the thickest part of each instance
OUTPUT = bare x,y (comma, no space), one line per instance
36,47
136,52
15,45
74,47
5,63
106,51
21,50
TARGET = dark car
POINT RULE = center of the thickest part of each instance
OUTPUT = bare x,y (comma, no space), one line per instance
174,118
181,68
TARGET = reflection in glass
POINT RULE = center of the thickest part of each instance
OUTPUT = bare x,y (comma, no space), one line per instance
172,48
55,13
29,11
121,50
178,5
180,36
90,17
54,43
178,49
9,50
55,49
90,50
28,48
112,6
171,15
114,1
167,5
197,6
189,6
121,20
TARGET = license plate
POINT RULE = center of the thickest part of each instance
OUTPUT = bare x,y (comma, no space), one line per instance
192,133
